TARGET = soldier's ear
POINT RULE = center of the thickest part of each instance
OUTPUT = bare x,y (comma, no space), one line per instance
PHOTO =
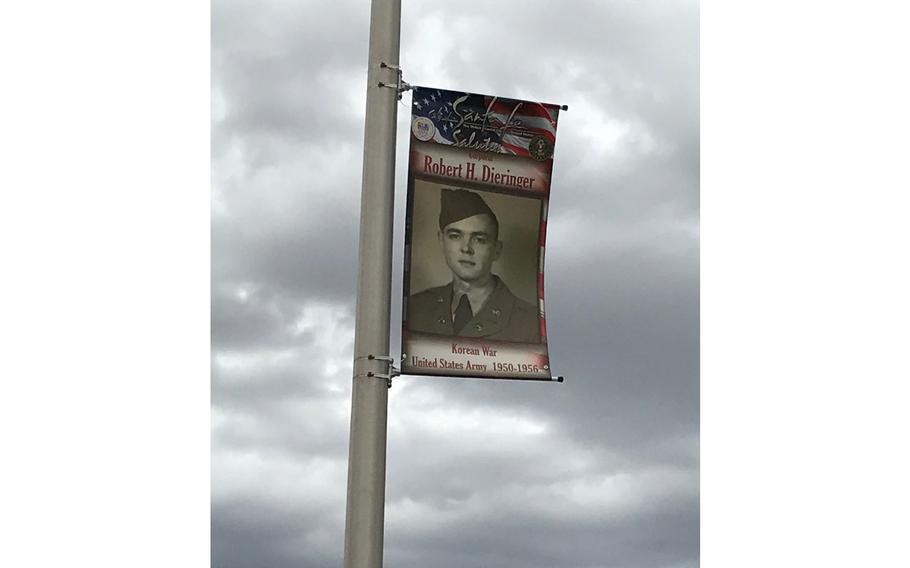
498,250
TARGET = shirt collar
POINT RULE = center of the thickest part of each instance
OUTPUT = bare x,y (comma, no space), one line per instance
477,297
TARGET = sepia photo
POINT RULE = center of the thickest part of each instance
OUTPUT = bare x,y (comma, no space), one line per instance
474,264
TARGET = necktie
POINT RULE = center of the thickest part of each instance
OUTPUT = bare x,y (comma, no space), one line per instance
463,314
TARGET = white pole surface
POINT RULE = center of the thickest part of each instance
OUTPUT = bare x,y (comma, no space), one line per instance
366,464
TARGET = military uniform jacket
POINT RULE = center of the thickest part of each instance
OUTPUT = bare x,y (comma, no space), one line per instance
503,317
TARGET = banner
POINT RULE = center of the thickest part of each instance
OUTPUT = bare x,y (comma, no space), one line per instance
478,186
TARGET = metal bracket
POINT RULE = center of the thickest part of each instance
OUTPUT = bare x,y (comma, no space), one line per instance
393,371
386,358
400,85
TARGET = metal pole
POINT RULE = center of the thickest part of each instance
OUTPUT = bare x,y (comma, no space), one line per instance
363,531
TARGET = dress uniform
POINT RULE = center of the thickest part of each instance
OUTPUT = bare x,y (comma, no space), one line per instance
501,315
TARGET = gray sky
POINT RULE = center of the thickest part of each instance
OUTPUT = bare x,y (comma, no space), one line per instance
601,471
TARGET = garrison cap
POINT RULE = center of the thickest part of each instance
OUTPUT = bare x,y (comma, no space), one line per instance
458,204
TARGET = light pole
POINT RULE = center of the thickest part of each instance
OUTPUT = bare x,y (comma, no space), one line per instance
367,454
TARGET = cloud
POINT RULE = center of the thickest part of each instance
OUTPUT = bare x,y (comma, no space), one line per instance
599,471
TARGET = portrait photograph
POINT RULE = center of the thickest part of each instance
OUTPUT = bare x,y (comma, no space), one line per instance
479,248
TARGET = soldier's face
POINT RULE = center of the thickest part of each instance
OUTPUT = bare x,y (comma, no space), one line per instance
470,247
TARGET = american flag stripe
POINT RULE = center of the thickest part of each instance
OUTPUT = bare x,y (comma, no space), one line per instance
516,149
536,121
526,110
529,116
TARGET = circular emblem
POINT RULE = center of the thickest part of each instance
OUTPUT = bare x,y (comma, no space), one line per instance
423,128
540,148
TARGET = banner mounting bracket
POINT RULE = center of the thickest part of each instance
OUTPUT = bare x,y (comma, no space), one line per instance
400,85
393,370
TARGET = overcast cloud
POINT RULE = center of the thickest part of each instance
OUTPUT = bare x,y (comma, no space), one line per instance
601,471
